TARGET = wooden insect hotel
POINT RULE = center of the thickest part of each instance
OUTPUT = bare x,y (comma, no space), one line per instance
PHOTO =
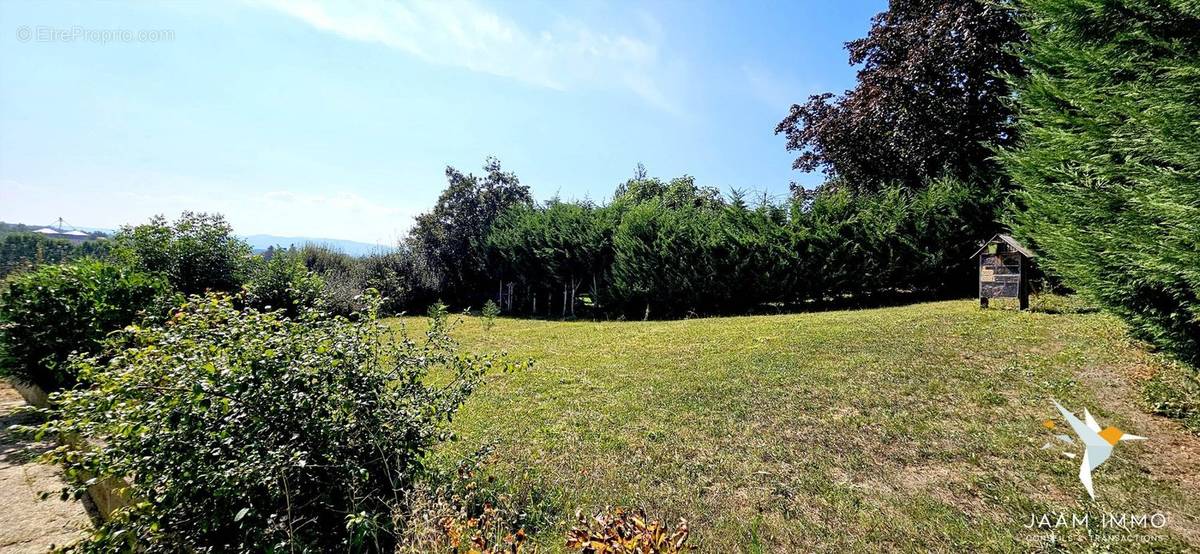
1004,267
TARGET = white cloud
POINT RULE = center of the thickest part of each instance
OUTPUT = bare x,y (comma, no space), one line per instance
461,33
778,93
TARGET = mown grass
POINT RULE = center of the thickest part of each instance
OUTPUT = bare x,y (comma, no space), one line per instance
906,428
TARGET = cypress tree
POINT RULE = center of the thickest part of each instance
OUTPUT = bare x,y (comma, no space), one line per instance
1109,161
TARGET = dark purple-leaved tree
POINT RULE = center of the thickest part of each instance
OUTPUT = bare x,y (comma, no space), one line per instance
929,100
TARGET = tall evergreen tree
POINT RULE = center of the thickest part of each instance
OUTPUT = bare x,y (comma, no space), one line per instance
1109,162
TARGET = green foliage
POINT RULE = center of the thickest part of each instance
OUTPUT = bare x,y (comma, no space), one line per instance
397,278
1108,164
668,251
490,311
26,250
930,98
245,431
29,250
463,508
680,192
395,275
664,258
556,249
47,314
449,242
284,283
324,259
892,240
196,253
1174,391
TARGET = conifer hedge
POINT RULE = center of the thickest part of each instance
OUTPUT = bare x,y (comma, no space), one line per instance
1109,163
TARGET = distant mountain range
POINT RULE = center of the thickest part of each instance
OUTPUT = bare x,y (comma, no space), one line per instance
354,248
258,242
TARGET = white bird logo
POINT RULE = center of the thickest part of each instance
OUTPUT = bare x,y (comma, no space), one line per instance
1098,444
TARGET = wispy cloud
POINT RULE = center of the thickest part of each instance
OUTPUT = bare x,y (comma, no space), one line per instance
460,33
347,203
779,93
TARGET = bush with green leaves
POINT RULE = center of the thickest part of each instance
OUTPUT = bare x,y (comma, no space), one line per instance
196,253
284,283
323,259
49,313
1108,163
239,430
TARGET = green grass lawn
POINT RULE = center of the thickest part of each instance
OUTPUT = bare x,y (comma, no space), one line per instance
905,428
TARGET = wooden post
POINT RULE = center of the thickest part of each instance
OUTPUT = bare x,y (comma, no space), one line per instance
1023,286
983,301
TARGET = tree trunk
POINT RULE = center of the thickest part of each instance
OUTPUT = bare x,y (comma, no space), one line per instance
574,293
564,311
646,316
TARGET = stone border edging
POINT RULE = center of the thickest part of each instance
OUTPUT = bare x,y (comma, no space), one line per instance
104,494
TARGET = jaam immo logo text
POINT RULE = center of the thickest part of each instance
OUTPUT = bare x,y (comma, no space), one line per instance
1098,443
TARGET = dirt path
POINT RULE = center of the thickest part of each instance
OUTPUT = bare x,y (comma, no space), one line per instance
1176,455
28,523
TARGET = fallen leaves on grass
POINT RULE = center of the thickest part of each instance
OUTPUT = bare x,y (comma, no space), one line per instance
626,532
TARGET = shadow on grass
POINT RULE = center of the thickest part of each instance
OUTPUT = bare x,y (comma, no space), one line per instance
843,302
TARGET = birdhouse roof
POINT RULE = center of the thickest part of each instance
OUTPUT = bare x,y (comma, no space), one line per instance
1009,241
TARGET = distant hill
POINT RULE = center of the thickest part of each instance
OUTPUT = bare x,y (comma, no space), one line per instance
93,232
354,248
258,242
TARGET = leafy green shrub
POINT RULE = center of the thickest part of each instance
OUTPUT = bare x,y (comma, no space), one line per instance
323,259
1108,165
344,293
284,283
396,277
664,259
196,253
347,278
47,314
245,431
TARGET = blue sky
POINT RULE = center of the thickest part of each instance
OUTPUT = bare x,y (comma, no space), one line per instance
295,117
